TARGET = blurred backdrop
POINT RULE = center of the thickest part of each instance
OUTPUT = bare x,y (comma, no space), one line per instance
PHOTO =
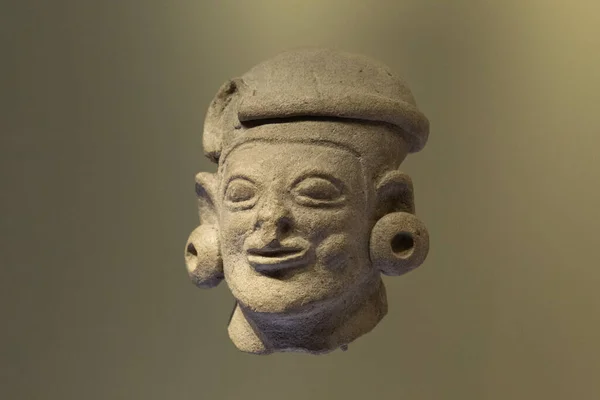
102,106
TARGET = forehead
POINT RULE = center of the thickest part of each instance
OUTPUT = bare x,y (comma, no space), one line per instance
288,157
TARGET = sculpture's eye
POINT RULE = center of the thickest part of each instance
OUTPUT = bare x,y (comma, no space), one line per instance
241,193
318,191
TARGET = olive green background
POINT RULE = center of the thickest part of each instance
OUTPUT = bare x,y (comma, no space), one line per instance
102,111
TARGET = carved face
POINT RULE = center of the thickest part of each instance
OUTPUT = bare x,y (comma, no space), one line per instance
294,224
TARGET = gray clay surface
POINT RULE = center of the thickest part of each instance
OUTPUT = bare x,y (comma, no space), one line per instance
308,206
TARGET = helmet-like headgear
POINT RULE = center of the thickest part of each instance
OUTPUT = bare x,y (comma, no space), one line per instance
313,83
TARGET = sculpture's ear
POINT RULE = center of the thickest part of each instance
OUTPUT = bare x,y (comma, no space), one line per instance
399,240
207,186
395,193
220,117
202,250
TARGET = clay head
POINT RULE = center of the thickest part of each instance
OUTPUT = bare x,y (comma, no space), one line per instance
308,206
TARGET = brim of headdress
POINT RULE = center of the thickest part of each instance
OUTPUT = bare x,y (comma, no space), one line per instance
337,104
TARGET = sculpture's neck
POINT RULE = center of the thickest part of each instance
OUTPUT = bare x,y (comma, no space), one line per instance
318,332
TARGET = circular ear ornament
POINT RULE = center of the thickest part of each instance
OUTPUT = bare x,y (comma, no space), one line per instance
203,258
399,243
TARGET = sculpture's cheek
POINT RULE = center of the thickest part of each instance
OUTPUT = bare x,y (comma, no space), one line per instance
235,227
334,252
320,223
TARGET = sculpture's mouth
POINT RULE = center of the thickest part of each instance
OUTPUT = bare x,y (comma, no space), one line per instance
271,259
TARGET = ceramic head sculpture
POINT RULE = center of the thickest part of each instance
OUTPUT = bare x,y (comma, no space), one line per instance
308,206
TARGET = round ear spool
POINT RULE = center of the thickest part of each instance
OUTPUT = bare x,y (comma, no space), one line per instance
399,243
203,258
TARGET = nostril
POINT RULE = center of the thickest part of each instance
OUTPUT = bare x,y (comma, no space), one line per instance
191,250
285,226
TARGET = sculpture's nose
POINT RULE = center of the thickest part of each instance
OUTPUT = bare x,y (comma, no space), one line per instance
273,222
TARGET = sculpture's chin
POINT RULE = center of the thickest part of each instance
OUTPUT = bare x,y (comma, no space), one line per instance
332,325
294,303
313,287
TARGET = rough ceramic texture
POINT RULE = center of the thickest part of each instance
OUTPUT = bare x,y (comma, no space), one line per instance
308,207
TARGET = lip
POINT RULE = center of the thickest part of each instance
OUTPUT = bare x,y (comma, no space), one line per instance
278,258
